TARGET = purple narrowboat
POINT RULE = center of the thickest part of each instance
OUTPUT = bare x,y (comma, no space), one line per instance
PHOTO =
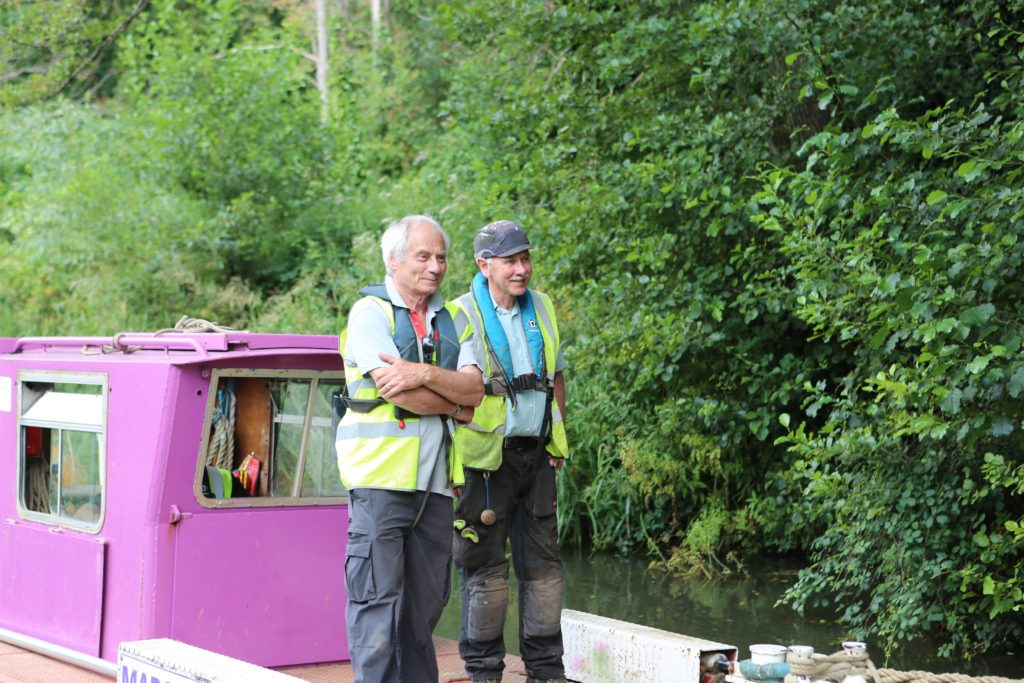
178,485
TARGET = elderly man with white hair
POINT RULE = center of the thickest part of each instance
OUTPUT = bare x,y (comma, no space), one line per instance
407,378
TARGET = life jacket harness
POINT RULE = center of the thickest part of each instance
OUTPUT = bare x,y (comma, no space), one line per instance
443,341
497,345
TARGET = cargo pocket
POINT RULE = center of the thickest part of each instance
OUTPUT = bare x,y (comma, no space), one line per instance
542,498
471,554
359,571
471,503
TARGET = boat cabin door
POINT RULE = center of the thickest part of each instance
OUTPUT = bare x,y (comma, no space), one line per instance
52,560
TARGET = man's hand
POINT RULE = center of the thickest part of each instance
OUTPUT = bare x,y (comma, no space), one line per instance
557,463
400,376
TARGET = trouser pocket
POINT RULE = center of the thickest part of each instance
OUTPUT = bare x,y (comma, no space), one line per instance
542,498
359,581
473,500
473,545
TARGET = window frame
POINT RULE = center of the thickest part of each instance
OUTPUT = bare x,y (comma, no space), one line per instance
99,379
216,375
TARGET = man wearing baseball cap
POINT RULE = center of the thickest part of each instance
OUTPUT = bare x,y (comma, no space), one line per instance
511,447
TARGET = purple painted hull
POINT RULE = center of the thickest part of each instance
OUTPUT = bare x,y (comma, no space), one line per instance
263,584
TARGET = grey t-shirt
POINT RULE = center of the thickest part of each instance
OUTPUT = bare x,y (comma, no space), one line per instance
369,333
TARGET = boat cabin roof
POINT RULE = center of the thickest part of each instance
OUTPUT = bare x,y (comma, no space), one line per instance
173,348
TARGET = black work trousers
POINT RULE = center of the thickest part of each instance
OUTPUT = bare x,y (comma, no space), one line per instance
522,494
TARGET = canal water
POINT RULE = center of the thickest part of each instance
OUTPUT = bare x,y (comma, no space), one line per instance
736,611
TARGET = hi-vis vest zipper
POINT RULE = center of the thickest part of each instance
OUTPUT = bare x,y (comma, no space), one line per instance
378,444
479,443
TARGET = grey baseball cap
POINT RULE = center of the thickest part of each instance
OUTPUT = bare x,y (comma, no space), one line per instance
500,238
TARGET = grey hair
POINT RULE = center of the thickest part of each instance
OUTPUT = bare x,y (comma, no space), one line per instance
395,240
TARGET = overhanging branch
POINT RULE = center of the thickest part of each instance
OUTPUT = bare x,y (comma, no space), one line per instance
104,43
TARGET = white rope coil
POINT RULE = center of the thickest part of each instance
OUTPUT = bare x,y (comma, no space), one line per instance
838,666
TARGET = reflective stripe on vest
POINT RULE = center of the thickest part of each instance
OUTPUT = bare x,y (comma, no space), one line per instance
376,448
480,442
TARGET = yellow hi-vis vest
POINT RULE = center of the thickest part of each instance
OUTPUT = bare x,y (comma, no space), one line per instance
377,448
478,444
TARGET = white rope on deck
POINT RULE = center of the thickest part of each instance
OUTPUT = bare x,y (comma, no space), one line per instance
838,666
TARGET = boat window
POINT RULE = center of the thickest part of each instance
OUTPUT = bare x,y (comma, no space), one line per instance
61,448
271,437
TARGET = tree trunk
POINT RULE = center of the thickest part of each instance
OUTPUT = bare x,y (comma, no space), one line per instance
375,7
322,65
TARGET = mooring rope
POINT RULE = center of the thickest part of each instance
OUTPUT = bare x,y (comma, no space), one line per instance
891,676
838,666
37,492
222,445
834,667
114,346
187,325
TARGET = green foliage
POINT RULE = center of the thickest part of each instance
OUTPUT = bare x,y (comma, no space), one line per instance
92,244
697,552
228,118
216,141
757,237
66,48
903,236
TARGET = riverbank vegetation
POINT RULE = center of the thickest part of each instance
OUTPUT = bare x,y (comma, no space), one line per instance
784,240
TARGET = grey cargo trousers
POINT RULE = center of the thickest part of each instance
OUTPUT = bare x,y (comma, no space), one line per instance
398,580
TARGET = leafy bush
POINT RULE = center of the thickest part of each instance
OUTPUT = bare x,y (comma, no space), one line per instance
905,240
95,244
784,241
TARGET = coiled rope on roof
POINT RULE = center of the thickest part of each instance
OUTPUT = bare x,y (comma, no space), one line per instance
187,325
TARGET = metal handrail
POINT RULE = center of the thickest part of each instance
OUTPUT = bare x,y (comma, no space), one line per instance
120,341
60,652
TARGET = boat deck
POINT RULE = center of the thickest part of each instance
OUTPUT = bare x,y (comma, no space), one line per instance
448,663
22,666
